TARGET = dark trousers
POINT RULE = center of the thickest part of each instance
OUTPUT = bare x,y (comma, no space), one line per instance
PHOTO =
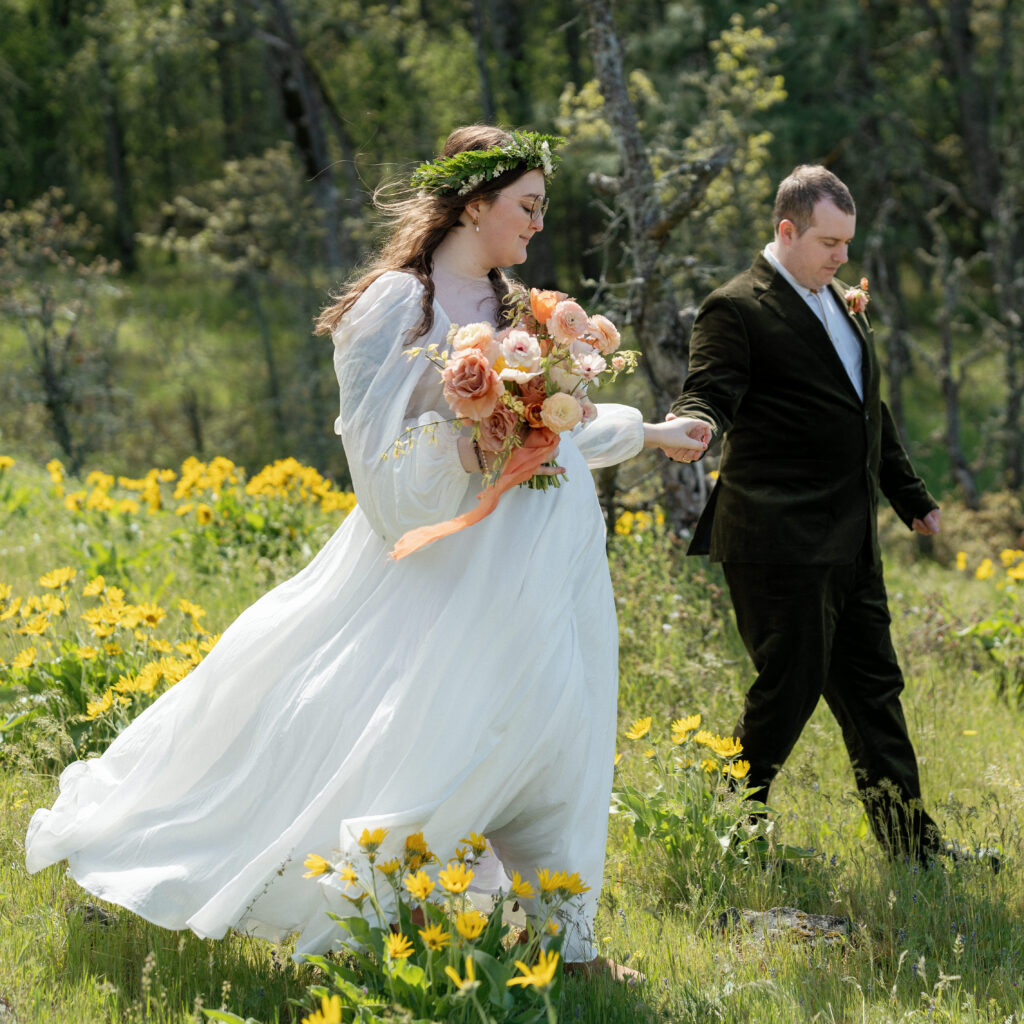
816,631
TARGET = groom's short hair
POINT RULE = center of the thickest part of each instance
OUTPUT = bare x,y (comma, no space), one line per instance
806,186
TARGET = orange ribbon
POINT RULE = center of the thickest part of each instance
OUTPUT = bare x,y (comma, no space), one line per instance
537,447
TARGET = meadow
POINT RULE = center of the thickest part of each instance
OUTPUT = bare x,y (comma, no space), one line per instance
111,588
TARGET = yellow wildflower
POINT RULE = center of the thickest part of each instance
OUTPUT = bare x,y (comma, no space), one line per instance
682,727
397,946
477,841
640,728
571,884
370,841
551,926
101,630
208,643
522,889
455,878
617,759
56,470
186,606
467,984
11,610
419,885
1016,572
317,865
470,923
5,462
25,658
128,507
726,746
53,604
161,646
150,614
435,937
86,653
547,880
347,874
417,853
390,867
985,570
5,591
961,561
58,577
739,769
204,514
113,649
329,1012
540,975
1010,555
35,627
709,765
95,708
704,738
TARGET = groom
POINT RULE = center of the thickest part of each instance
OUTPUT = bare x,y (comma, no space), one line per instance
781,360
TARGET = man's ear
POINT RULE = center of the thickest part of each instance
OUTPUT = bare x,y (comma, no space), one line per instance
787,231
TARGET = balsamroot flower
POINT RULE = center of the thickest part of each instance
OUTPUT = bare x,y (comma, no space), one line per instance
470,923
435,937
419,885
540,975
455,878
639,729
316,864
397,946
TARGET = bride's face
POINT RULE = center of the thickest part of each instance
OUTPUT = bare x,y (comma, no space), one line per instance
509,222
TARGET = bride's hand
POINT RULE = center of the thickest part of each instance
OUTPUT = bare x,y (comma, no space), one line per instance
680,438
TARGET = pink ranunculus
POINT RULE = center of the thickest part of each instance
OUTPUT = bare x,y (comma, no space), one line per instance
605,334
588,409
560,412
479,336
471,387
567,323
856,300
497,428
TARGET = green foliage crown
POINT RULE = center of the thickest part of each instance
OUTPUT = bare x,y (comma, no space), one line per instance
462,172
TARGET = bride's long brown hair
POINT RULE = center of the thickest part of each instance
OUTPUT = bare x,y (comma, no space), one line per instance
420,223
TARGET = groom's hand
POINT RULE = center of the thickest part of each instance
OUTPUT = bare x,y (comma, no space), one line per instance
927,526
701,432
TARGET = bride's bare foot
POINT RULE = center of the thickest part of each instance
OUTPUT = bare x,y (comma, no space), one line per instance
602,966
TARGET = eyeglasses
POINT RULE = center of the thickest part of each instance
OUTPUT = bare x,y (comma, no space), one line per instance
537,208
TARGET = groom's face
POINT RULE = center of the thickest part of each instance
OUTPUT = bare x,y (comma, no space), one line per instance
814,257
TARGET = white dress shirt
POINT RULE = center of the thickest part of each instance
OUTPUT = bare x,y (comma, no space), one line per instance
834,319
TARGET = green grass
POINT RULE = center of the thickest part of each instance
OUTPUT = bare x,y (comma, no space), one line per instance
939,945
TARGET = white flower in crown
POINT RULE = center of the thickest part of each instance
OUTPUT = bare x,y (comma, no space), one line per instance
545,156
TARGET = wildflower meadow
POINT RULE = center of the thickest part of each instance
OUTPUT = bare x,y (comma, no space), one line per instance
113,588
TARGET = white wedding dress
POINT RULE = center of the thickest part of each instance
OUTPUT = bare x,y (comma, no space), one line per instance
470,686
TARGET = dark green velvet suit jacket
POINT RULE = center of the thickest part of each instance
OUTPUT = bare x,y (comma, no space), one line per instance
803,458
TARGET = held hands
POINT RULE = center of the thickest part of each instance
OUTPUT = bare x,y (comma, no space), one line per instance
927,526
680,438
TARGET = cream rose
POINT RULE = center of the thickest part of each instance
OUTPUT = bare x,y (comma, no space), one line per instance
471,387
560,412
479,336
605,334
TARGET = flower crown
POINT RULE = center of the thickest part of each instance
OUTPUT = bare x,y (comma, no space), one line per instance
462,172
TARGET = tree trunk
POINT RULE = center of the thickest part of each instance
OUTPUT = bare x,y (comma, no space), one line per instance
124,224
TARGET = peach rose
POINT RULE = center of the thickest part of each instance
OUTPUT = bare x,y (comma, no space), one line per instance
560,412
479,336
471,387
568,322
497,428
543,303
604,333
618,363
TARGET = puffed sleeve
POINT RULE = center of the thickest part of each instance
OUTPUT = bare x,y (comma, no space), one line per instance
614,435
381,392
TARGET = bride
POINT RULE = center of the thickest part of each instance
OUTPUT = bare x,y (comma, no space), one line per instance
468,687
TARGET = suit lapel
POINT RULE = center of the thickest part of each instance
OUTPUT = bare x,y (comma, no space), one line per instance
778,295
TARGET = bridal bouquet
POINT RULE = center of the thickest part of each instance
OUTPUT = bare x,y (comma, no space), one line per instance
519,389
522,386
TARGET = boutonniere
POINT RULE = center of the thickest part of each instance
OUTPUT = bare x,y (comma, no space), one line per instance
857,299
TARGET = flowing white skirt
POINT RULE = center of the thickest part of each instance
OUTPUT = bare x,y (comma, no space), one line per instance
469,687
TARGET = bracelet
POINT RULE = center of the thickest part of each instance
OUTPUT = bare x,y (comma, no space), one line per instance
479,457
